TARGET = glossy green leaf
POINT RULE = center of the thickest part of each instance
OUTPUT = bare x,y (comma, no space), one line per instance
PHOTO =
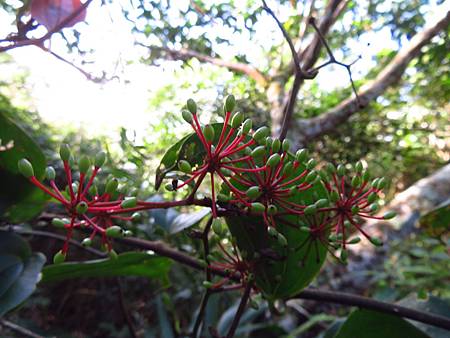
372,324
126,264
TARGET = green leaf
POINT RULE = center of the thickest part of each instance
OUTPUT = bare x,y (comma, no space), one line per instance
24,285
372,324
126,264
437,220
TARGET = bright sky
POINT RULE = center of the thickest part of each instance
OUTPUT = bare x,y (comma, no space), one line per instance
64,96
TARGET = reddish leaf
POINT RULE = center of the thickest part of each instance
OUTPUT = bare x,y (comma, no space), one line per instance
50,13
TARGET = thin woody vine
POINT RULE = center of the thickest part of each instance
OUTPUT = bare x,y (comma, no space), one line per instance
279,211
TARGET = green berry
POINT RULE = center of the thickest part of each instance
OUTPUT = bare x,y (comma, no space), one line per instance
58,223
355,209
273,160
169,187
111,186
344,256
365,176
272,232
128,233
208,131
381,183
100,159
334,196
286,145
373,196
86,242
311,176
218,227
310,210
253,192
223,198
311,164
59,257
50,173
276,145
207,284
187,116
114,231
330,168
25,168
247,126
84,164
64,152
354,240
374,207
184,166
129,202
237,120
374,183
288,169
230,103
136,217
257,207
258,152
356,181
301,155
390,214
191,106
260,133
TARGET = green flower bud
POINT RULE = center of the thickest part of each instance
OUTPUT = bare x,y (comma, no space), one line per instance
111,186
272,209
50,173
86,242
310,210
344,256
58,223
184,166
114,231
268,142
84,164
273,160
257,207
237,120
330,168
321,203
226,172
301,155
223,198
169,187
113,254
25,168
64,152
191,106
207,285
230,103
376,241
381,183
82,207
187,116
253,192
374,183
276,145
59,257
359,167
129,202
258,152
286,145
374,207
354,240
373,196
355,209
208,131
282,240
288,169
356,181
311,176
128,233
365,176
334,196
100,159
332,238
324,176
218,227
305,229
390,214
272,232
136,217
260,133
253,304
247,126
311,164
340,170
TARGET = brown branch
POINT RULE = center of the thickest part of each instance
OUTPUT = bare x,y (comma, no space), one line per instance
309,129
239,67
240,310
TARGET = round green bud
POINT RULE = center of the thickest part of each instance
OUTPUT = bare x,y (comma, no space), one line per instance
390,214
273,160
86,242
207,285
286,145
344,256
59,257
356,181
58,223
260,133
50,173
268,142
84,164
218,227
288,169
237,120
129,202
100,159
334,196
374,207
301,155
257,207
136,217
311,176
272,232
25,168
64,152
323,202
112,254
253,192
373,196
128,233
230,103
376,241
381,183
359,167
114,231
354,240
111,186
311,164
365,176
324,176
82,207
330,168
310,210
258,152
304,228
247,126
374,183
272,209
223,198
341,170
276,145
282,240
184,166
191,106
169,187
332,238
187,116
355,209
208,131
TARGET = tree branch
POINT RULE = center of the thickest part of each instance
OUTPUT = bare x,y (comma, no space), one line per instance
19,329
309,129
239,67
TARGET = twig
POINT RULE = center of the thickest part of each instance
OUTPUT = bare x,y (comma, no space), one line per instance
240,310
123,307
19,329
208,273
371,304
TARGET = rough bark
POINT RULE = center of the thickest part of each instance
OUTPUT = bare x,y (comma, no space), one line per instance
308,129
